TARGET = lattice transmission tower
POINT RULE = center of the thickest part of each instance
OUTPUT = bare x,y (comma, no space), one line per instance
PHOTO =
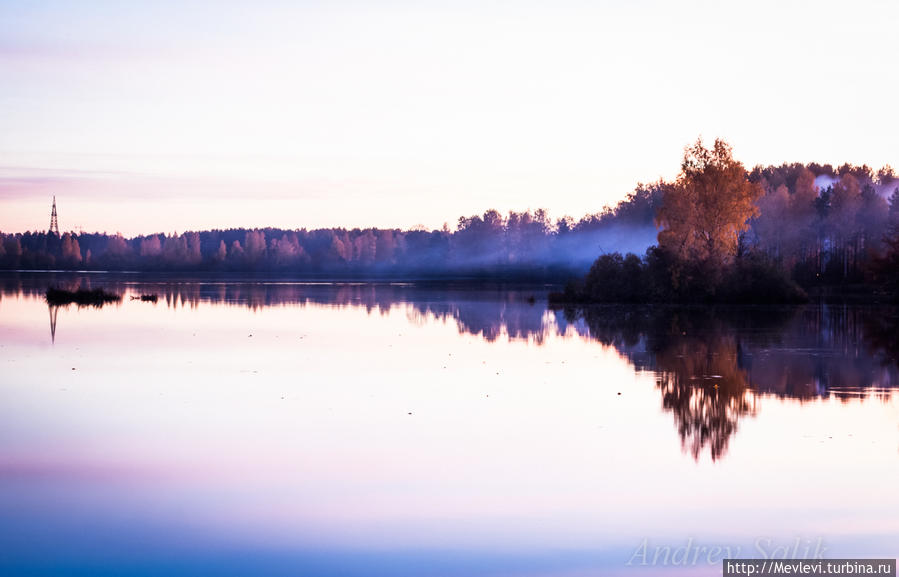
54,225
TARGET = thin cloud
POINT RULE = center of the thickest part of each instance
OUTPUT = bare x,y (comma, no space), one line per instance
30,183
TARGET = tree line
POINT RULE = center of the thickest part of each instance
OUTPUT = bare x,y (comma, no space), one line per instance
769,234
519,244
717,232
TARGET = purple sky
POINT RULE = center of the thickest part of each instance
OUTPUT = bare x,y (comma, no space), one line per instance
164,116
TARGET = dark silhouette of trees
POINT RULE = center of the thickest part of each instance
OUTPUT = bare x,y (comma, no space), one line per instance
732,235
886,267
520,245
71,251
614,278
726,234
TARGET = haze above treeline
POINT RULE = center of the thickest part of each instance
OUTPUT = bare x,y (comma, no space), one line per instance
821,223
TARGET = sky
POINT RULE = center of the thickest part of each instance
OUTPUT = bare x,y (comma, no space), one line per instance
164,116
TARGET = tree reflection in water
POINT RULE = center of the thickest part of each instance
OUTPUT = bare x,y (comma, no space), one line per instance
713,366
704,385
699,362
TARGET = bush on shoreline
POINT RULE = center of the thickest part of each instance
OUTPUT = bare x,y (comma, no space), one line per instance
660,278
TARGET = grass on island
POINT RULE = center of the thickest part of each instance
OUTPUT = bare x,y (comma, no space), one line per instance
95,297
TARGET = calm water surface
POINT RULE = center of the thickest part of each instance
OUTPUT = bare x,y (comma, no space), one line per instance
278,428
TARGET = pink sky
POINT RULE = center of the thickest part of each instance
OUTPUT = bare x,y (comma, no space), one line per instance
156,117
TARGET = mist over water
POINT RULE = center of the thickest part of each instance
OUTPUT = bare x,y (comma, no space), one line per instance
580,252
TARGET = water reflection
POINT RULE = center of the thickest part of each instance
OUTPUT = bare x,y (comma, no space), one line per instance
483,309
377,429
702,362
54,311
712,365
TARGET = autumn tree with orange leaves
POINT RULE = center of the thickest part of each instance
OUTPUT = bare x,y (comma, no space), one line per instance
704,213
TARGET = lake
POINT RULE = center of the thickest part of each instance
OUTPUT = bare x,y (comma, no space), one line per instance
249,427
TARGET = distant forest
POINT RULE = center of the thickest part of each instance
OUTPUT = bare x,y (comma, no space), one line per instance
520,244
772,228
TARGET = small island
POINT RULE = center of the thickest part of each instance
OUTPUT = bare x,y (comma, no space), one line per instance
80,297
